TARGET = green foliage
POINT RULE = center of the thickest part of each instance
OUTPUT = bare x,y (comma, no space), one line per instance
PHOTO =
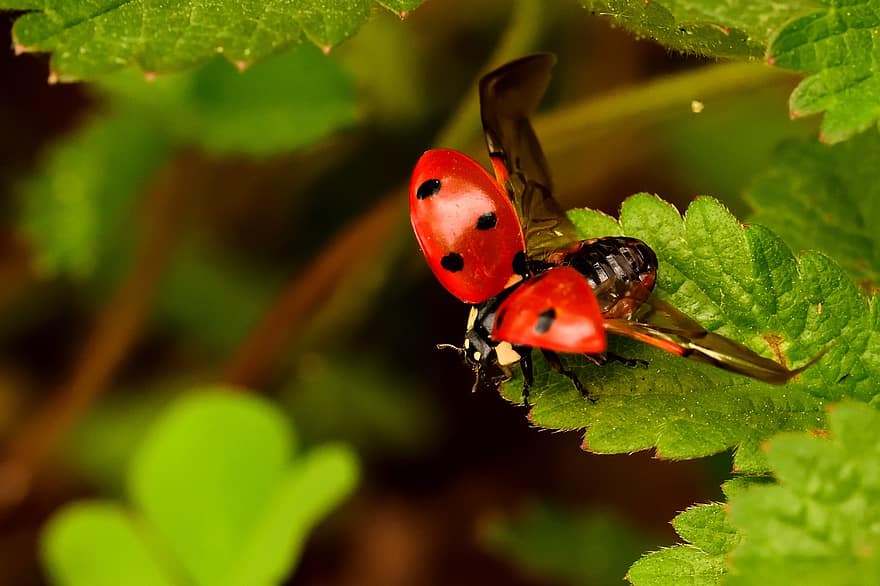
77,206
838,45
219,497
88,39
819,525
741,282
287,102
574,548
383,413
739,28
816,525
827,198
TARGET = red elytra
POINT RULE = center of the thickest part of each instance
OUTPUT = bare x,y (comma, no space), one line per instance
466,226
556,310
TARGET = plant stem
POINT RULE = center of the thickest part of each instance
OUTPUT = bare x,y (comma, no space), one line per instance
576,125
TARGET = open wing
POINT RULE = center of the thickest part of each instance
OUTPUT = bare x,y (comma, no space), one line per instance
660,324
509,96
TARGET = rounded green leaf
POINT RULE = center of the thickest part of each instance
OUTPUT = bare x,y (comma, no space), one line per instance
99,544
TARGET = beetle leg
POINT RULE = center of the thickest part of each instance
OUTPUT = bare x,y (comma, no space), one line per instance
556,364
528,371
628,362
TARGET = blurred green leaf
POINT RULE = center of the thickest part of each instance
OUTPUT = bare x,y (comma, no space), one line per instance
731,140
202,284
827,198
104,441
819,525
94,543
220,495
575,548
76,207
838,45
397,95
287,102
743,283
87,39
382,413
737,28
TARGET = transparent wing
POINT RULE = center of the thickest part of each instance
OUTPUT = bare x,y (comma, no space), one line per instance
509,96
658,323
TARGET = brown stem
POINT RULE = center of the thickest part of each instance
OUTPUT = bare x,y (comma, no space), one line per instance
114,333
297,302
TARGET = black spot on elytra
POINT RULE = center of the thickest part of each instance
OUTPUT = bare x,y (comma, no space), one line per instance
487,221
519,264
545,320
452,262
428,188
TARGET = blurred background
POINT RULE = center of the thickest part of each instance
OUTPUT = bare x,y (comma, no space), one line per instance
251,229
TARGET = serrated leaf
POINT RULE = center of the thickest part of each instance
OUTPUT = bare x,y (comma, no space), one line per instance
709,536
838,45
284,103
680,565
220,500
738,28
575,548
819,525
77,204
741,282
706,527
827,198
88,39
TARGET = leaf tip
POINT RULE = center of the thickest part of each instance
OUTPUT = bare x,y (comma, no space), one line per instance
771,61
219,50
20,49
326,49
53,78
821,433
403,14
241,66
794,114
150,76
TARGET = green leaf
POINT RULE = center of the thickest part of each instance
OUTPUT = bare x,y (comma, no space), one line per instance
819,525
90,38
827,198
741,282
99,544
571,547
282,104
679,565
738,28
220,499
710,536
838,45
77,205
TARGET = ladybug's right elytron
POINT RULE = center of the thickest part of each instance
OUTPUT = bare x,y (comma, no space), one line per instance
504,246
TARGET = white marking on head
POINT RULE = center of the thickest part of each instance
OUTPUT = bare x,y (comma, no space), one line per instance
478,355
506,354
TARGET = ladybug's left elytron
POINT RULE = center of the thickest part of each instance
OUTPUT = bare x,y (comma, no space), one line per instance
504,246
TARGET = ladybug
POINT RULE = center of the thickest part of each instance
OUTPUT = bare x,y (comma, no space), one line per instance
505,247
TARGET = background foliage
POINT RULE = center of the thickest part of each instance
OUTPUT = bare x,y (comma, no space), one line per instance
218,205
